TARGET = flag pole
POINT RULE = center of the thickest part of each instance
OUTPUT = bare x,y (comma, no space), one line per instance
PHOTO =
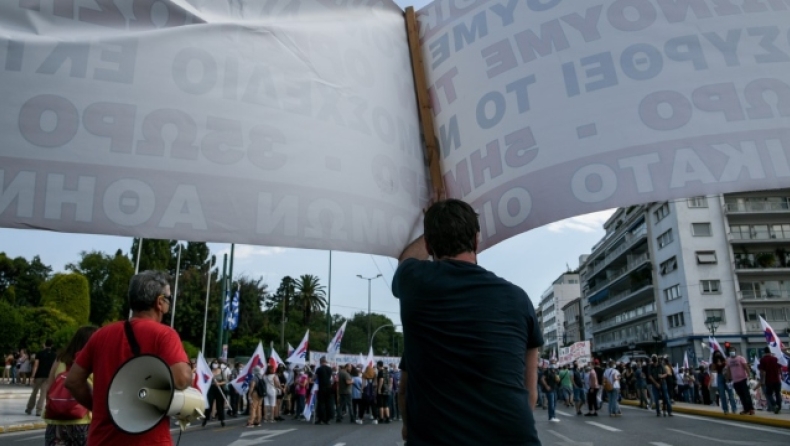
175,290
205,314
425,110
222,306
329,302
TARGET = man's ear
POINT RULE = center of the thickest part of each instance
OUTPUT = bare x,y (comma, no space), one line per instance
427,246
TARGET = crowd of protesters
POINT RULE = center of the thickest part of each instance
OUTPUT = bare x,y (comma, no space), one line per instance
349,391
655,384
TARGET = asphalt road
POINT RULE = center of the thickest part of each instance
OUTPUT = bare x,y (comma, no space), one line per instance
635,427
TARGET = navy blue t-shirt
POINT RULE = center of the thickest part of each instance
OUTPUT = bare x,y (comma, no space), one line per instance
466,333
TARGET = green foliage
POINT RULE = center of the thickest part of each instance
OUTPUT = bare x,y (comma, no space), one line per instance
42,323
310,296
20,280
108,278
62,337
243,345
155,255
70,294
11,327
192,351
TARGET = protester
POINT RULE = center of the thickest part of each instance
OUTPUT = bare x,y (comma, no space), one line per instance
301,381
657,375
23,368
72,431
454,312
640,383
611,379
41,367
704,385
550,383
383,386
739,373
257,386
9,364
323,376
392,397
356,395
216,396
345,382
236,399
771,379
149,299
272,382
724,383
592,393
578,389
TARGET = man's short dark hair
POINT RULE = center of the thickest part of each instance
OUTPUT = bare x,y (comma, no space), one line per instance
380,364
48,343
145,287
450,228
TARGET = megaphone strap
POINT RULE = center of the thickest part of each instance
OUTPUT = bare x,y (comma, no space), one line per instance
127,325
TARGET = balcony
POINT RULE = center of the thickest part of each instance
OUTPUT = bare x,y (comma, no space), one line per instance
599,327
612,276
764,296
640,338
621,297
628,241
761,262
758,207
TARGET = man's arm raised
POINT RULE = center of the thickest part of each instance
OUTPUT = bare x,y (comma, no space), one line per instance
416,250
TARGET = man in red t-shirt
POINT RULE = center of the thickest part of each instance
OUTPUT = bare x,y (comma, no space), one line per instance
108,349
771,379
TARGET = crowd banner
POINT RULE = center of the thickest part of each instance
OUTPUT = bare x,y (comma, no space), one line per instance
286,123
547,109
295,123
343,359
578,352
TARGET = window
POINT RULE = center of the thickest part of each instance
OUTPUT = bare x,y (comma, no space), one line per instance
672,293
675,320
718,314
710,286
700,229
669,266
664,239
661,212
698,202
706,257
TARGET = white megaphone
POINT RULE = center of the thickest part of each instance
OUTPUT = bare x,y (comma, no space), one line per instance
142,393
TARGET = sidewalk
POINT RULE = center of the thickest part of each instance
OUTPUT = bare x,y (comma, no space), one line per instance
760,416
13,400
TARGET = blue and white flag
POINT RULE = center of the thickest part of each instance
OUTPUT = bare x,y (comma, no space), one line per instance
310,406
231,311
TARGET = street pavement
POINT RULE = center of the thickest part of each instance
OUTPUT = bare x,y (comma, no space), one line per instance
635,427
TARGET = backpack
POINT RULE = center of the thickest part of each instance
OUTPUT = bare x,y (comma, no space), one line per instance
369,393
61,405
260,387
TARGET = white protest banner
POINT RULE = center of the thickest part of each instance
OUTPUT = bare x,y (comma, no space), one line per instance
547,109
578,351
287,123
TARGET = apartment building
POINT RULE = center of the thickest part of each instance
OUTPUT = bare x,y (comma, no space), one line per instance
573,324
668,275
562,291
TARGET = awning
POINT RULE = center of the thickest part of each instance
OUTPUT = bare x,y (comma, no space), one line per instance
599,296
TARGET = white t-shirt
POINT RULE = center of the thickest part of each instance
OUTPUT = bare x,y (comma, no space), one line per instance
613,376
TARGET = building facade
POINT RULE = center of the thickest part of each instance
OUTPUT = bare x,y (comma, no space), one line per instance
563,290
668,275
573,323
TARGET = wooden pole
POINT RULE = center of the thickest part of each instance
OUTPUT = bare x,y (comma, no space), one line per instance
432,154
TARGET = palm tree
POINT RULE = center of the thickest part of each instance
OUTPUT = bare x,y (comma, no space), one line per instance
310,295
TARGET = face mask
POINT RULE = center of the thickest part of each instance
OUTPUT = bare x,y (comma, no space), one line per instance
732,354
224,367
214,366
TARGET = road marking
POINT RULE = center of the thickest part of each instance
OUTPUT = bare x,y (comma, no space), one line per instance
35,437
563,413
603,426
658,443
743,443
735,424
340,444
568,441
263,437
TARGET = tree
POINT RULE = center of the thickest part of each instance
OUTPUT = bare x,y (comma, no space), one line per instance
156,255
20,280
108,278
42,323
310,295
70,294
11,328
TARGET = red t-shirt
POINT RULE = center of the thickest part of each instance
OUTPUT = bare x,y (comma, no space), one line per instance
772,369
105,352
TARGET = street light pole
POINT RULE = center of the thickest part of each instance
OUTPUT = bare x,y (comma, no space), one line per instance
369,279
712,323
377,330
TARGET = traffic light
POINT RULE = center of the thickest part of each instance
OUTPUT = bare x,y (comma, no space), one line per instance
727,346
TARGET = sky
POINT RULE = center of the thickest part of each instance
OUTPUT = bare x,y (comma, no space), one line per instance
531,260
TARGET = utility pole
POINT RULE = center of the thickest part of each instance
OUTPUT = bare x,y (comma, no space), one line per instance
175,290
220,333
369,279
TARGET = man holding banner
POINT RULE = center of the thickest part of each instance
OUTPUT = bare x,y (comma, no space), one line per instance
454,313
